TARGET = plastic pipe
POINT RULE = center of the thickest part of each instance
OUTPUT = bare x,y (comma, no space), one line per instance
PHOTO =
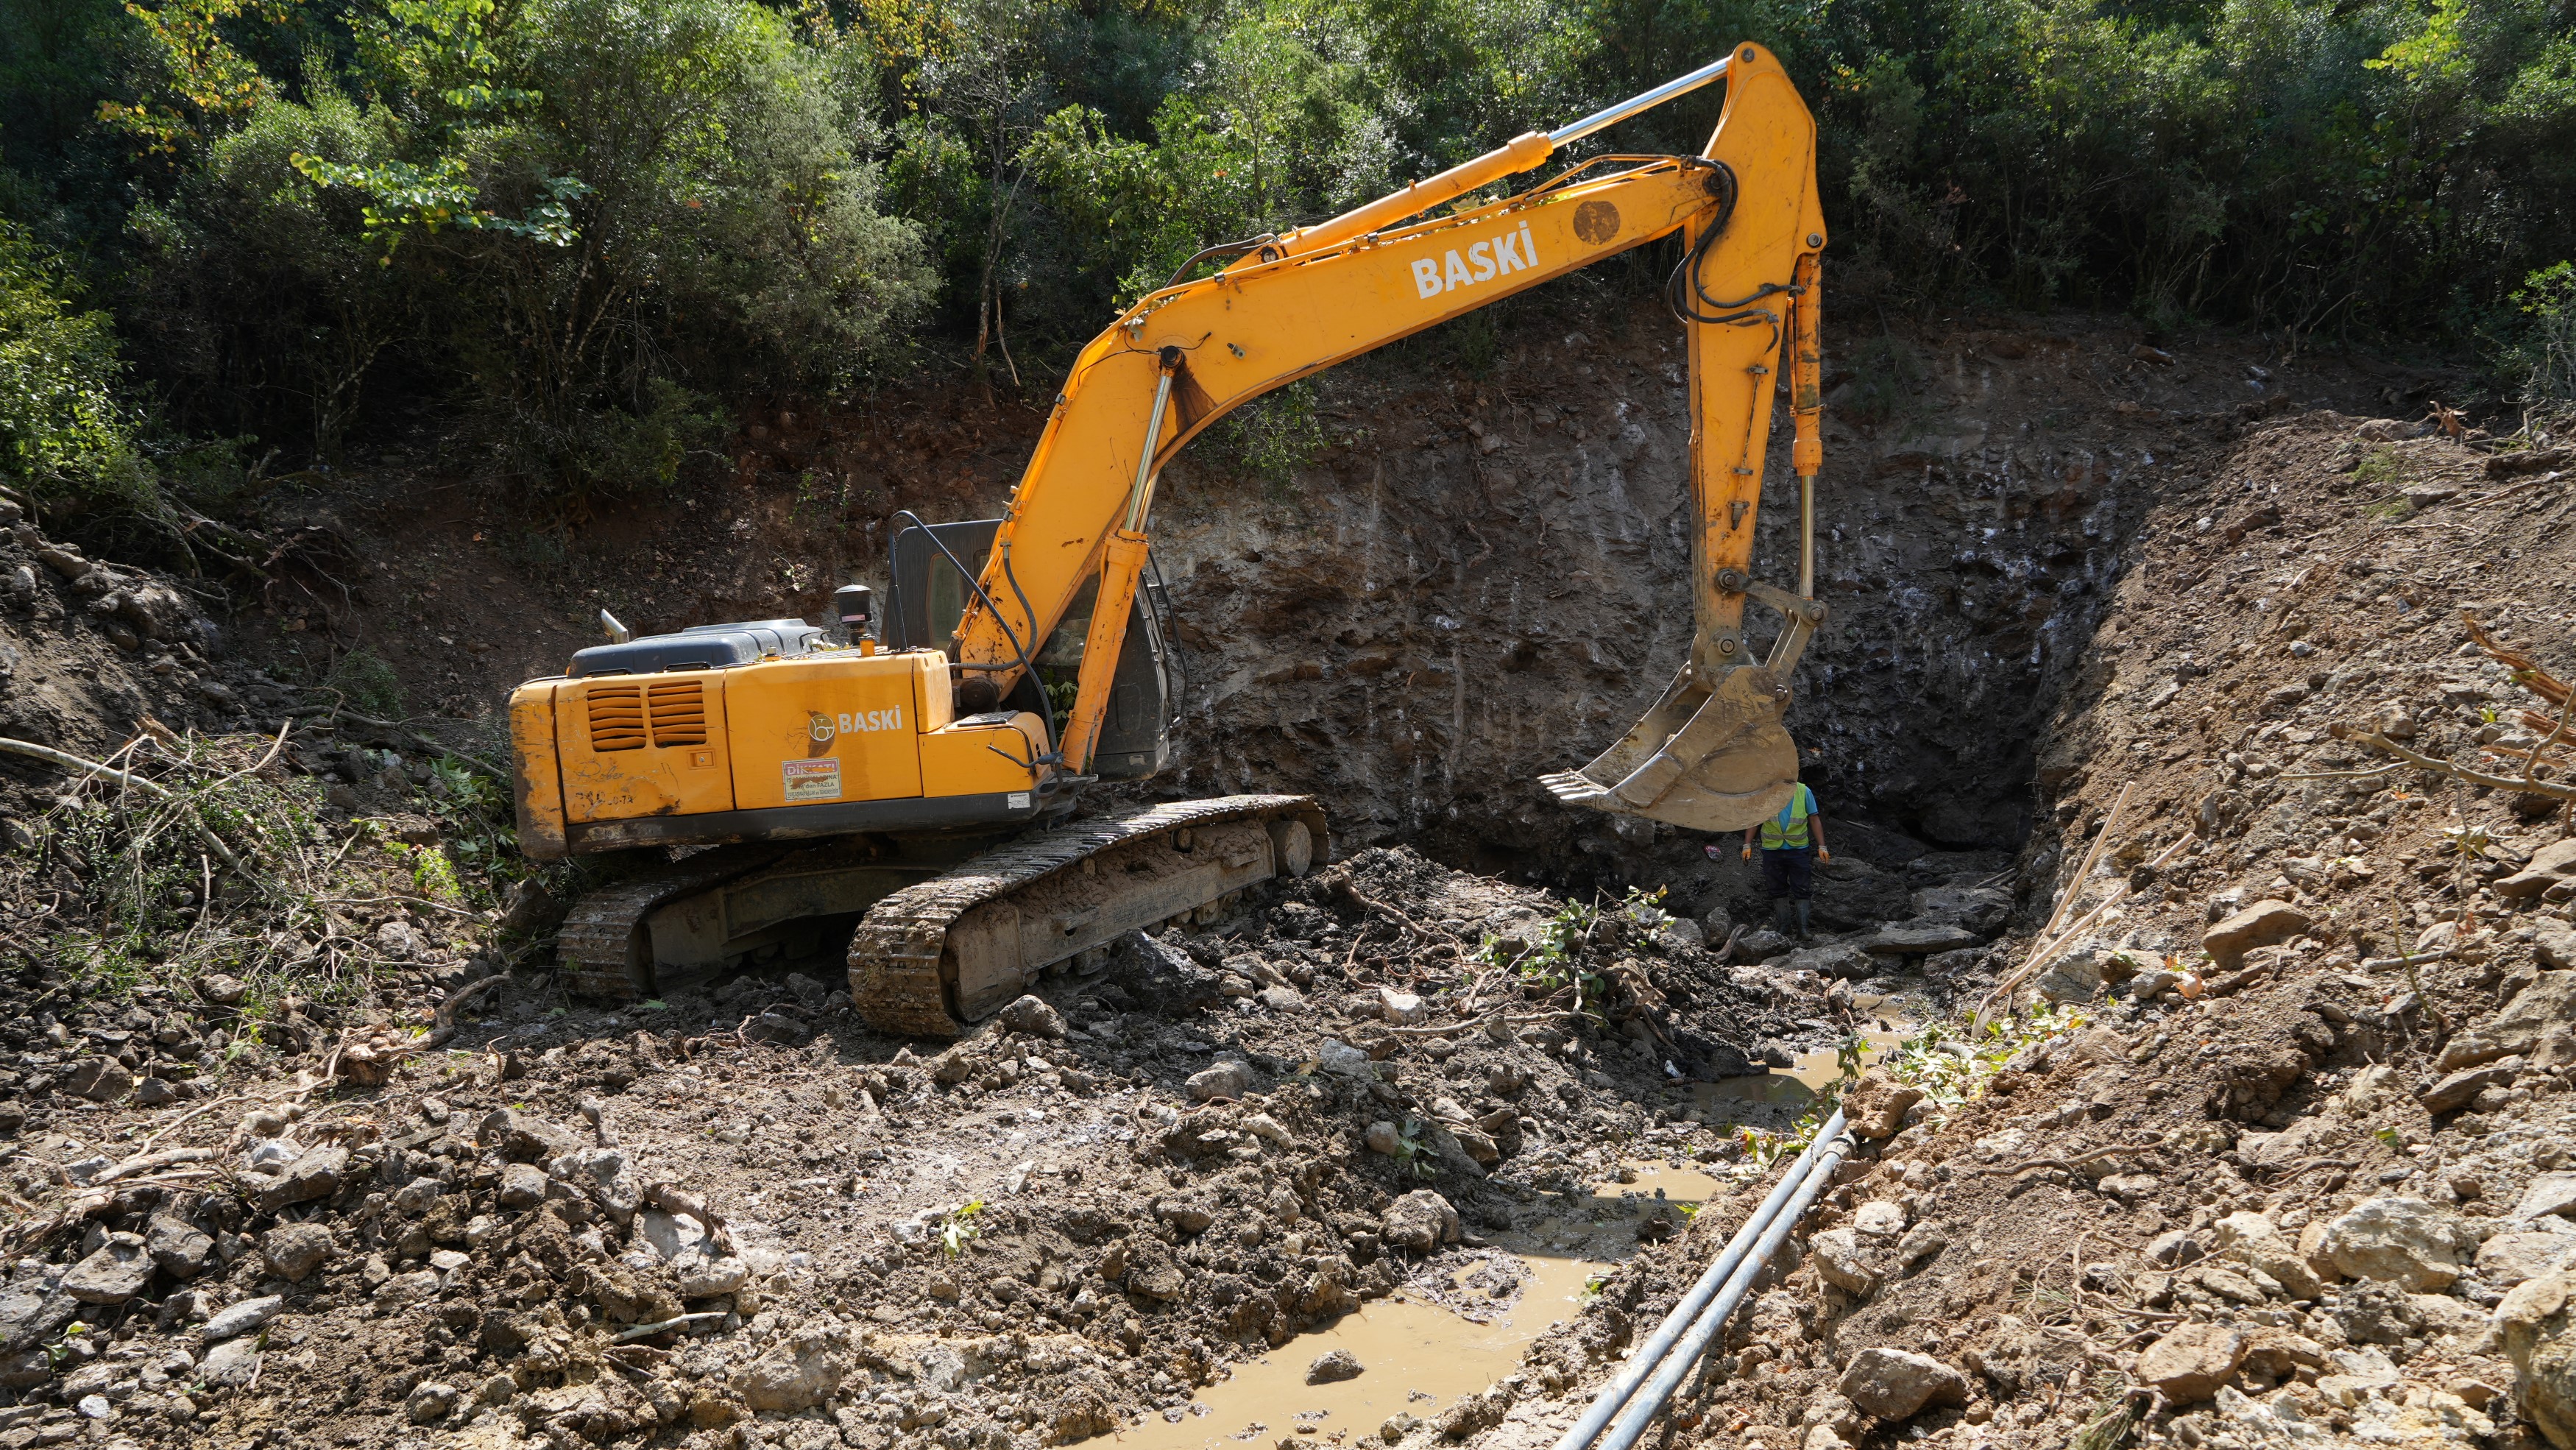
1660,1343
1677,1365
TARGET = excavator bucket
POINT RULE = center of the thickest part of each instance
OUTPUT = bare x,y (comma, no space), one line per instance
1707,757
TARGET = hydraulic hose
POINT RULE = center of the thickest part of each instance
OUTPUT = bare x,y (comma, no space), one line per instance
1695,1320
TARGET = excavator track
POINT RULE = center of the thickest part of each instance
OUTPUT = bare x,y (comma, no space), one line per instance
904,972
603,949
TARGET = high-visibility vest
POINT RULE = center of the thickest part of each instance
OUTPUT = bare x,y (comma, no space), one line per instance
1788,830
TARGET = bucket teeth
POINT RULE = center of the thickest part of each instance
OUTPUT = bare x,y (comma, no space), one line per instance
1574,788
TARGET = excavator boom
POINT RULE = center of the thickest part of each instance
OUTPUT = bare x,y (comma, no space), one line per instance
1711,754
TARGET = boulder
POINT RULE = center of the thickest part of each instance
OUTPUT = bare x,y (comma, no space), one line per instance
2258,1243
2539,1025
2259,925
2510,1258
1922,939
315,1173
2455,1091
178,1246
1332,1367
114,1272
1421,1221
2405,1241
1875,1107
2550,1195
2537,1324
795,1375
2189,1363
294,1250
100,1079
1228,1079
1032,1015
2549,865
1849,1262
1893,1384
523,1185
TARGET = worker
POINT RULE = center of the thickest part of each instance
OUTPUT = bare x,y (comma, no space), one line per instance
1792,843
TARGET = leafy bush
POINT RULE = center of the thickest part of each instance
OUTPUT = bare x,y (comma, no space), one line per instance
63,435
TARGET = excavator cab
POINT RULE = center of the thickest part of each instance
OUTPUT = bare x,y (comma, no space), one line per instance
930,596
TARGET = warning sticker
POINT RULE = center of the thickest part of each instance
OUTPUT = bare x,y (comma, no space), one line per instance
812,780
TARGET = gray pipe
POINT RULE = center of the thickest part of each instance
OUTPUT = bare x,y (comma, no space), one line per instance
1677,1365
1652,1352
1613,115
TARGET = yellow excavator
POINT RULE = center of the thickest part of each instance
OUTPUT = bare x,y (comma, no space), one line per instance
909,790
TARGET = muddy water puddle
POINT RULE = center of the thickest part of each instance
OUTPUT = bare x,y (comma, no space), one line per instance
1798,1084
1418,1357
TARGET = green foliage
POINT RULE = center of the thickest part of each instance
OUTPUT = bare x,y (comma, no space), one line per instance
960,1227
2541,356
63,435
366,683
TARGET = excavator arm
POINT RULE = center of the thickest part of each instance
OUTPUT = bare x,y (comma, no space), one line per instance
1712,753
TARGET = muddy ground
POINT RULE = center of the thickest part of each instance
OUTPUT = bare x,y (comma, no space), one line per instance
307,1147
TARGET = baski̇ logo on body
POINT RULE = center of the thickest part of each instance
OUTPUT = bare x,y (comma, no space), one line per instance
1482,262
854,722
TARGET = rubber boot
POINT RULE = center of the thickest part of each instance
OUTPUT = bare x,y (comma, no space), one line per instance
1781,918
1803,932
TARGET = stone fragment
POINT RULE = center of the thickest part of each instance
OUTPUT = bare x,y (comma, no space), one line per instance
2175,1248
2259,1244
1847,1261
1879,1218
1229,1079
2191,1361
795,1375
2152,983
1421,1221
315,1173
114,1272
2548,1195
1920,938
2402,1240
430,1402
712,1279
2456,1090
1401,1008
2554,942
524,1137
523,1185
2259,925
1875,1107
2549,865
178,1246
2537,1325
1382,1137
1895,1384
294,1250
99,1079
1474,1414
235,1320
231,1364
1186,1215
1032,1015
1332,1367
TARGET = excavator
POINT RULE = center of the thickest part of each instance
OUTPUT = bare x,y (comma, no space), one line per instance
912,790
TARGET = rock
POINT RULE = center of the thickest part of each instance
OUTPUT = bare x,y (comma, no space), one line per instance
2075,977
1875,1107
1401,1008
430,1402
1343,1060
230,1365
1843,960
178,1246
1894,1384
712,1279
2152,983
1921,939
1382,1137
99,1079
1474,1414
2259,1244
2259,925
2548,1195
2455,1090
2402,1240
1846,1261
1759,944
1031,1014
1332,1367
2549,865
1476,1144
1421,1221
294,1250
796,1375
531,909
1879,1218
523,1185
2537,1325
2175,1248
114,1272
2191,1361
1184,1215
315,1173
1395,1427
1685,934
1229,1079
2539,1024
524,1137
235,1320
1281,998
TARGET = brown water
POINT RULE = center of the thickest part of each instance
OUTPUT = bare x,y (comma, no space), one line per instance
1797,1085
1418,1357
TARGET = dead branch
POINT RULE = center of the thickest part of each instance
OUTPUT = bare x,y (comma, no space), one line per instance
2385,746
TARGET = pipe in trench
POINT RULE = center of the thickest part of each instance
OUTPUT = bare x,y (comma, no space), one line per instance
1694,1323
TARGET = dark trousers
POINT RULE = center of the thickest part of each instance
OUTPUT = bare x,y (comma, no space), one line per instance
1789,873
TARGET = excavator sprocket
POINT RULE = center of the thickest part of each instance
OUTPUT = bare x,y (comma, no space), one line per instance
934,956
